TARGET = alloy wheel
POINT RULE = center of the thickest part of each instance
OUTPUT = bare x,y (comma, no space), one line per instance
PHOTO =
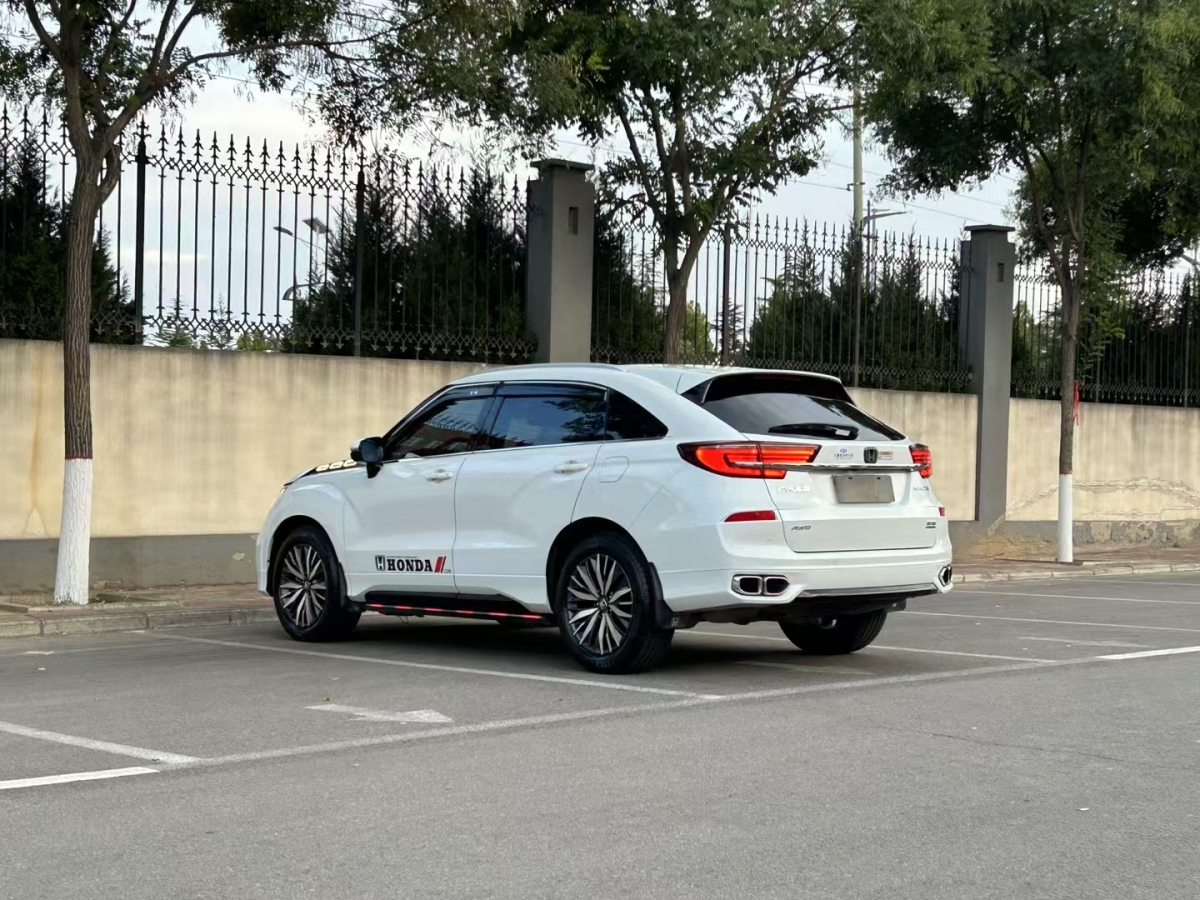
303,587
599,604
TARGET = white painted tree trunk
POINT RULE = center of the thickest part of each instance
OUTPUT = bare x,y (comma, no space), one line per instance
74,539
1066,537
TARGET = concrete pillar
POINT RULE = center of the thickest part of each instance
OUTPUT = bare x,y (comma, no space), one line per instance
985,343
558,294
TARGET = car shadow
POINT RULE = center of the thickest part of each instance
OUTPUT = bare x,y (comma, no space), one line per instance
544,645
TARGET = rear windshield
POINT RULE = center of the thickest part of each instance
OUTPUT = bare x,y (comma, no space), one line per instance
789,407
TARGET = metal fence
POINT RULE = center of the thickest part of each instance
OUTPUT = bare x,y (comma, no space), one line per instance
221,244
775,292
1136,342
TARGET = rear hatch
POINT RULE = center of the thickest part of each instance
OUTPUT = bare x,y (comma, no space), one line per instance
862,489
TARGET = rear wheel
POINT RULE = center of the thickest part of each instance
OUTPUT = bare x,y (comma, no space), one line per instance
605,607
308,588
835,636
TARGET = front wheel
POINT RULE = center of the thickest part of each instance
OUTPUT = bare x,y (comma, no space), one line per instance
837,636
308,588
605,607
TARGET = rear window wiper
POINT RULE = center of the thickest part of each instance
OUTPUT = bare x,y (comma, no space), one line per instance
816,429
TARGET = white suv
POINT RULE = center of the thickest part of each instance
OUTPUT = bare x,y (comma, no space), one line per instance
622,503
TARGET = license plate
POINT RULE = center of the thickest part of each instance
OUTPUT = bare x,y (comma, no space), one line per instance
864,488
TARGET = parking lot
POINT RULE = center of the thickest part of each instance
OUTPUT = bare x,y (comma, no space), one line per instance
1026,739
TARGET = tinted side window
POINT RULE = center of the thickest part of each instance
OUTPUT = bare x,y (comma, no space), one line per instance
629,422
450,426
538,421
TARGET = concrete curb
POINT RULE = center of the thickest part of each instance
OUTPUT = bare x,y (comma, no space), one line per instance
34,626
1077,572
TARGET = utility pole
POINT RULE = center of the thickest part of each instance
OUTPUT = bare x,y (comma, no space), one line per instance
858,168
858,233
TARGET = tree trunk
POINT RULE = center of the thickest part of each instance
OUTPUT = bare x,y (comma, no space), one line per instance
676,302
71,575
1066,441
676,315
679,273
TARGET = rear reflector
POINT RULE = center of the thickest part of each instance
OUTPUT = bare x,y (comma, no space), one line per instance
758,515
942,511
749,460
921,456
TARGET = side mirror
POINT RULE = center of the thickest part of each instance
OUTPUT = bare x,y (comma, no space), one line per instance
370,452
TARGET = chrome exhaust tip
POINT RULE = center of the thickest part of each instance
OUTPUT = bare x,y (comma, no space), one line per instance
774,585
946,575
748,585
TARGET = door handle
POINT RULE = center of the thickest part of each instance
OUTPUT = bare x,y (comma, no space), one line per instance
571,467
439,475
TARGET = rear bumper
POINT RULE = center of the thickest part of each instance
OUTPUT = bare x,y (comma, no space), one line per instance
815,587
808,608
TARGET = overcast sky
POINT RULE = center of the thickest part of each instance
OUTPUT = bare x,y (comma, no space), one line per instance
229,105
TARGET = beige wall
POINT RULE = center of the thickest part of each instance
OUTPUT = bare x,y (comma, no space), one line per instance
199,442
189,442
946,424
1132,463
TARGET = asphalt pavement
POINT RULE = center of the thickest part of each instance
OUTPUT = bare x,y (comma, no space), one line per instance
1017,740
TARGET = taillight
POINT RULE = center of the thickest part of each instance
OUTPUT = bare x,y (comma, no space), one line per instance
921,456
749,460
756,515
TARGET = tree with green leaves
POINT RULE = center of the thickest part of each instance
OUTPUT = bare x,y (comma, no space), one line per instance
1096,105
33,245
104,62
711,99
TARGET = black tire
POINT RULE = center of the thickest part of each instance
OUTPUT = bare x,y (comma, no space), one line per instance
307,552
642,644
845,634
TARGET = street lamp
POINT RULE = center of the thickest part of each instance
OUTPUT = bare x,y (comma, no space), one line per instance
871,218
317,227
290,293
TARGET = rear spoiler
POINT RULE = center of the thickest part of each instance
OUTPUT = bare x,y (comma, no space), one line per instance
722,386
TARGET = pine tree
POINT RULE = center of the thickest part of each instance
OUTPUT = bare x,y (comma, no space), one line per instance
33,260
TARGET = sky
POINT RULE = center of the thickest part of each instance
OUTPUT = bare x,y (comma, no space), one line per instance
230,105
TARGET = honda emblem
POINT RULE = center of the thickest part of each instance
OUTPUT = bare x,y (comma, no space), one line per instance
870,455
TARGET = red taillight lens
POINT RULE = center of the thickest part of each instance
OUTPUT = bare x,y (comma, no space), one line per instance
921,456
758,515
749,460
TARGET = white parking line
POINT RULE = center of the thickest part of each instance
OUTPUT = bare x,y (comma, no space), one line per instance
800,667
462,670
1170,651
766,637
73,776
590,714
101,746
587,715
1077,597
913,612
1076,642
1192,584
424,716
137,753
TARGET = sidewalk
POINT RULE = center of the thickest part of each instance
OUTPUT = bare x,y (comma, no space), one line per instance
242,605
